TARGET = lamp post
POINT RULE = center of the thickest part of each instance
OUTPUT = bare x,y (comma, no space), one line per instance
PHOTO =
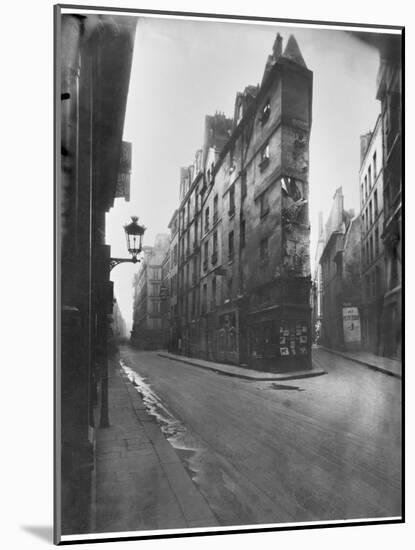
134,235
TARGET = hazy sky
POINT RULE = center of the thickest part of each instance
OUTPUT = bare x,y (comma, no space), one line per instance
183,70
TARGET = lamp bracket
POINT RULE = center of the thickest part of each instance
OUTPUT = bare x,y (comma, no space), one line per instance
113,262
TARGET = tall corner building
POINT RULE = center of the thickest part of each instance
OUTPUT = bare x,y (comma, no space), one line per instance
244,268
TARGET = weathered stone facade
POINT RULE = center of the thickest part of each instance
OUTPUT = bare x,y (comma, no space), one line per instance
93,65
244,274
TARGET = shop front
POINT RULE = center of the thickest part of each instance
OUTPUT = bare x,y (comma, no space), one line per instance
279,339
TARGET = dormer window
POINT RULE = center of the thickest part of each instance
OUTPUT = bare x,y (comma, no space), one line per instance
266,110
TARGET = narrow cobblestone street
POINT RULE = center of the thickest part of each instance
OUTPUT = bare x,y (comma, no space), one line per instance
320,448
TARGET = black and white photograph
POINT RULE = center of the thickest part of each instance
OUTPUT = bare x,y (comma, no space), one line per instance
229,243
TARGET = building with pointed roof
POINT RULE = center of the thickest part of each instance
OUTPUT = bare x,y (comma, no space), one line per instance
340,263
243,276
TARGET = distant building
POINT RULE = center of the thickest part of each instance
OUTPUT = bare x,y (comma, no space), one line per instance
341,278
174,320
147,330
243,253
373,261
165,300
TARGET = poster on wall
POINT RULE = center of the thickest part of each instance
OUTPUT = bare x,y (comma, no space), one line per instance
351,325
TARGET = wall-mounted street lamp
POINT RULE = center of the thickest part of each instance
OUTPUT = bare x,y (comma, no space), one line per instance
134,234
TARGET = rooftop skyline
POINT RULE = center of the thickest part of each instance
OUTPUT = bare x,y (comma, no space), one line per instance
185,70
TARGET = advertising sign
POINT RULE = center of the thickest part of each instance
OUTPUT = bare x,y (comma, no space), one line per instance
351,325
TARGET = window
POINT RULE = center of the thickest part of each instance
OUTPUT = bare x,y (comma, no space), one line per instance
155,290
205,255
204,298
215,248
265,155
207,219
196,236
213,292
243,185
156,324
175,254
377,242
366,192
230,246
263,205
363,221
375,200
369,177
374,167
156,307
230,285
188,243
362,193
370,213
156,274
266,110
367,252
263,250
232,200
215,208
194,273
242,233
232,164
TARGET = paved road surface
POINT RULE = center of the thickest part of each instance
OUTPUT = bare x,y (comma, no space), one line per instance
325,448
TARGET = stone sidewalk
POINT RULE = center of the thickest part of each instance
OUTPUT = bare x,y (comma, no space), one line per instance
242,372
141,483
392,367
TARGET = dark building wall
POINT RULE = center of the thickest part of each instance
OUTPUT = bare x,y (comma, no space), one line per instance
390,95
93,96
